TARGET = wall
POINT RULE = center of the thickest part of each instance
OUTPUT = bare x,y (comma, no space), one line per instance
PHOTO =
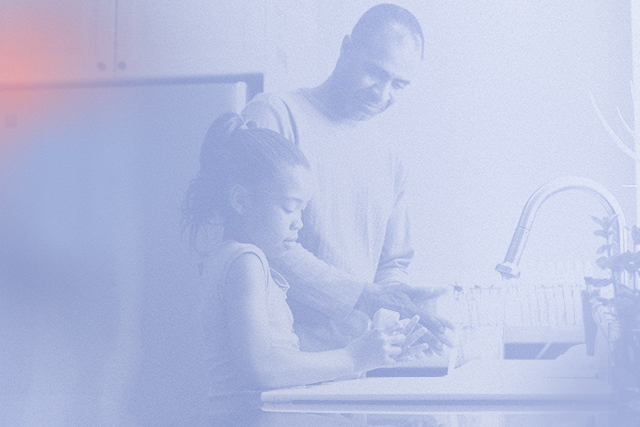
500,108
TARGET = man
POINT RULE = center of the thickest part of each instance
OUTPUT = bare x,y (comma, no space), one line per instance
354,248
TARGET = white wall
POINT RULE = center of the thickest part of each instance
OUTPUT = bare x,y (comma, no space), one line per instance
500,108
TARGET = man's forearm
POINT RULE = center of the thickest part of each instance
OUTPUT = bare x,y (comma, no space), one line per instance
317,284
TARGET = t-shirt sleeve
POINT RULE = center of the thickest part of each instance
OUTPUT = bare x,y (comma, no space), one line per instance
270,111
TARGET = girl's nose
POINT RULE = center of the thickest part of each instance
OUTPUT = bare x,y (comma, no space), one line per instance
297,223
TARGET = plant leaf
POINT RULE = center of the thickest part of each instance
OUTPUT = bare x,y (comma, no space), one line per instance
635,234
603,262
608,221
602,249
603,233
597,220
625,260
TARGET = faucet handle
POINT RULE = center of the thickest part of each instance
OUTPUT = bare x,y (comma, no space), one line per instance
508,270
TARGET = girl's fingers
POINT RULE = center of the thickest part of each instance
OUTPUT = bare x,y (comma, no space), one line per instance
413,353
411,325
417,349
433,341
394,351
396,339
415,336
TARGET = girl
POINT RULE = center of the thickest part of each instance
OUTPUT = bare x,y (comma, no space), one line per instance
255,184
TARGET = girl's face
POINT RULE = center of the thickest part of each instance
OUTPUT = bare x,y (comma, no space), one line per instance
274,215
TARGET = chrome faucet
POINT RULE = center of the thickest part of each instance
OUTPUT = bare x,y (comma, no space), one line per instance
509,268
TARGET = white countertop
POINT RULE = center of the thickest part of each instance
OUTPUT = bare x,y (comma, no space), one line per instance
478,380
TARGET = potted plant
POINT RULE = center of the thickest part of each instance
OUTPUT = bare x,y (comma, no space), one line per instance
614,302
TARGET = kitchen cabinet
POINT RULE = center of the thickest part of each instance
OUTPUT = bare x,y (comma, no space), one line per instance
73,40
59,40
168,38
44,41
196,37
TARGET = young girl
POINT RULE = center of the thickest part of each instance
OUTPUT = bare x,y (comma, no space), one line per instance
255,184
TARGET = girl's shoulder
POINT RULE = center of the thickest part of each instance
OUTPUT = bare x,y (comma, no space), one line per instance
220,260
232,249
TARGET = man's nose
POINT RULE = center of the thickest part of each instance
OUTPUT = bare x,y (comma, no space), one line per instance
383,91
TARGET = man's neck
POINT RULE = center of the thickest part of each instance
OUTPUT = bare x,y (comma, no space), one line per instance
328,97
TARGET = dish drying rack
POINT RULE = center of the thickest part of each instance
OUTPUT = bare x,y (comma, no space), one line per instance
552,297
543,307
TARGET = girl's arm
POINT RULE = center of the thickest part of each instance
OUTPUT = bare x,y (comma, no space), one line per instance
272,367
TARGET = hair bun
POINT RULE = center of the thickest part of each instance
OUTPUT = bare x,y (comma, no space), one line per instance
231,123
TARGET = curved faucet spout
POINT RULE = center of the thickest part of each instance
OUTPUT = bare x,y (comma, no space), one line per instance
509,268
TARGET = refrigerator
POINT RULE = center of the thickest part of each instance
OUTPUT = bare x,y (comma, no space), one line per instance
99,289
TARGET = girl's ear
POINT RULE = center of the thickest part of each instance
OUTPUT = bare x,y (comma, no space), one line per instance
239,198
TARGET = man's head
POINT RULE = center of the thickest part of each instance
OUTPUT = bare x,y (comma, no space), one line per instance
377,61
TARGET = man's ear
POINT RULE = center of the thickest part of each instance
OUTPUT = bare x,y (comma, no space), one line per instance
239,198
346,46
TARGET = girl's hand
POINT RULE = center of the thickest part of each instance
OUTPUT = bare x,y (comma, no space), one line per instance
375,349
409,301
389,322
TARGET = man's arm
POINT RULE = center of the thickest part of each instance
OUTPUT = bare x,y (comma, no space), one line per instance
317,284
391,290
397,251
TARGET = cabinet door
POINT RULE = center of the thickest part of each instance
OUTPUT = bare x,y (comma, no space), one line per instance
59,40
190,37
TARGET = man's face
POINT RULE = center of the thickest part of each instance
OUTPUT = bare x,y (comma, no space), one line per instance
376,75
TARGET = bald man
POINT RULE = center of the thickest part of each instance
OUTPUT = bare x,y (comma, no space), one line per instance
354,248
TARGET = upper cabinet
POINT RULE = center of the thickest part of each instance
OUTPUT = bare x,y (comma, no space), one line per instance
56,40
169,38
71,40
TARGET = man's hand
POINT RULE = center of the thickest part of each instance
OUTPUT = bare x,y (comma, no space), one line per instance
409,301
